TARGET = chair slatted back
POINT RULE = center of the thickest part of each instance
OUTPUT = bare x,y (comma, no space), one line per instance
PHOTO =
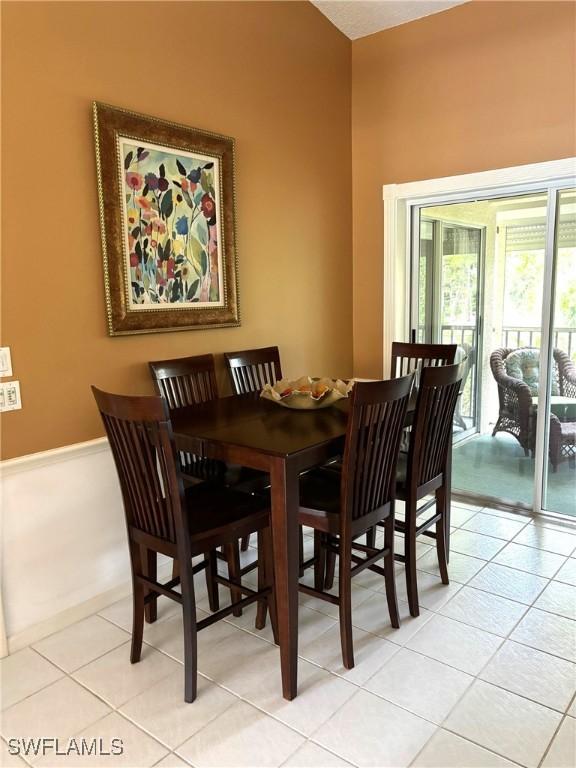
186,380
408,357
251,369
432,428
140,436
377,415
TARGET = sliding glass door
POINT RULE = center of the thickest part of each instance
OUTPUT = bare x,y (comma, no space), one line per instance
559,466
497,276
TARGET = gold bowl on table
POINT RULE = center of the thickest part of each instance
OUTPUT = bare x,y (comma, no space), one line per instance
307,393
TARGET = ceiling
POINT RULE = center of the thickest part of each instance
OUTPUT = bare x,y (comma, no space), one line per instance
358,18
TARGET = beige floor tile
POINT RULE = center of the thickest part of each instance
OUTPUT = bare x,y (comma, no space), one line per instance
499,527
459,515
359,595
81,643
475,544
162,711
61,710
120,613
547,632
461,568
310,755
241,736
529,559
172,761
311,623
113,733
485,611
168,636
116,680
567,574
253,672
422,685
562,752
560,542
507,582
372,616
24,673
505,723
370,654
459,645
432,594
558,598
519,517
9,756
368,731
446,750
528,672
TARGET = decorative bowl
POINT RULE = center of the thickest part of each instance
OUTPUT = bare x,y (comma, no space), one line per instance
307,393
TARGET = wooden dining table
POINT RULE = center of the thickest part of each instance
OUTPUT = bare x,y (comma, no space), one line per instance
257,433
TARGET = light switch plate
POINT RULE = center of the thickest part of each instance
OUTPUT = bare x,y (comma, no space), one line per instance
5,361
10,396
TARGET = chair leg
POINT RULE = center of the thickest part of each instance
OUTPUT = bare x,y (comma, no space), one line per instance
301,551
211,583
330,569
319,561
410,555
389,573
137,605
265,547
190,641
175,569
245,543
262,581
345,594
371,537
232,556
441,535
150,569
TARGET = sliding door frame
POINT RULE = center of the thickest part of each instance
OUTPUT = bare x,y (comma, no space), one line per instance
402,203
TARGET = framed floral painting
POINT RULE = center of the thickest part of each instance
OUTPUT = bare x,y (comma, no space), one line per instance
166,194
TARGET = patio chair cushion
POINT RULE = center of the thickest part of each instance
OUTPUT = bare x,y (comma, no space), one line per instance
524,364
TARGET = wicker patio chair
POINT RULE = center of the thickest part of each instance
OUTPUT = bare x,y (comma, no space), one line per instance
515,401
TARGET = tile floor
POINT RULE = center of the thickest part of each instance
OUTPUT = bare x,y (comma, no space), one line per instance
486,676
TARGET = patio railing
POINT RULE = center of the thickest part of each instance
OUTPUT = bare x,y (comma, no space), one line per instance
564,338
512,337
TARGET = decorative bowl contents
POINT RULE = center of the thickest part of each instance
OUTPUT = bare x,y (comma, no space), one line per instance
307,393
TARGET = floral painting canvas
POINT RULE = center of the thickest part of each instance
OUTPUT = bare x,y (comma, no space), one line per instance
171,202
166,195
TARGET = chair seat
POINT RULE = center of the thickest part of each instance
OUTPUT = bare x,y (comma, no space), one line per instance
218,515
320,500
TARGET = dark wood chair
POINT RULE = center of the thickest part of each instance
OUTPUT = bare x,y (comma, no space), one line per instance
423,471
407,357
251,369
189,381
343,506
163,517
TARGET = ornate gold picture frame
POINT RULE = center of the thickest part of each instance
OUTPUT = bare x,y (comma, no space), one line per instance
166,196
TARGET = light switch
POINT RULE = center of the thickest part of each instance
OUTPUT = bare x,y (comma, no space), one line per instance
10,396
5,362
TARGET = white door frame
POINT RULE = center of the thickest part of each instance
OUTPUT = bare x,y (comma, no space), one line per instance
398,202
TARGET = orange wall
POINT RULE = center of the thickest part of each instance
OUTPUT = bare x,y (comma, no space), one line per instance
276,76
484,85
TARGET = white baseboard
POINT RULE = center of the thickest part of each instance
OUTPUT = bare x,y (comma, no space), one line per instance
67,617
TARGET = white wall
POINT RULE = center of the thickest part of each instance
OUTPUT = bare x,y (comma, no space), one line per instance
64,549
